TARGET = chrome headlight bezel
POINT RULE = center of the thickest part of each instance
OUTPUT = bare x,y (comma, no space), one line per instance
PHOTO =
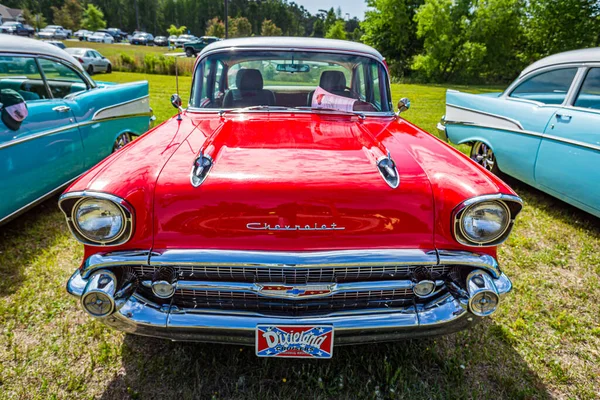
69,204
512,205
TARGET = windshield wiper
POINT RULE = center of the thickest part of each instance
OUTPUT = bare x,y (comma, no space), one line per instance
252,108
284,108
334,110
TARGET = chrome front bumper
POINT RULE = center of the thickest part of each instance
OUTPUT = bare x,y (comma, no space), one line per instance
445,314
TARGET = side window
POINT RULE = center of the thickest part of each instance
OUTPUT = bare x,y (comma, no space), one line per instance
212,82
21,74
548,87
61,79
359,84
89,54
589,94
377,82
96,54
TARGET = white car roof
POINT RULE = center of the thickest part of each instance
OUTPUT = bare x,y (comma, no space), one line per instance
573,56
299,43
21,45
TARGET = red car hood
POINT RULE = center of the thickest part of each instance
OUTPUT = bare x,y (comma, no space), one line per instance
303,183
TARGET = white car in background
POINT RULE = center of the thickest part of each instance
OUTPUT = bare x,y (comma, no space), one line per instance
52,33
182,39
67,32
101,37
91,60
83,34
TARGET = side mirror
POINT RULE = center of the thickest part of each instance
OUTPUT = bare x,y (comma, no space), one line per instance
176,101
403,105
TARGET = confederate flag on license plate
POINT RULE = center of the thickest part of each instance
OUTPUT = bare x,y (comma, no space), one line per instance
294,341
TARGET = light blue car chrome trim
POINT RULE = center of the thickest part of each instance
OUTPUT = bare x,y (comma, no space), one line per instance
511,120
275,259
529,133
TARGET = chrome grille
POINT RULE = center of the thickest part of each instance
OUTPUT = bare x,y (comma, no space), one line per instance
229,300
350,273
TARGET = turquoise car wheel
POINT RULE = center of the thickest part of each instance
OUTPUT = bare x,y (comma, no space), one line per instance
483,155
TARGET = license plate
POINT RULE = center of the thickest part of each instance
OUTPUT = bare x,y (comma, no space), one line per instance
294,341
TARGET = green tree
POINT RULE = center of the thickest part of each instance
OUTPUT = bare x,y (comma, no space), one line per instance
93,18
173,30
389,26
337,31
28,17
39,22
69,15
318,28
268,28
556,26
215,27
239,27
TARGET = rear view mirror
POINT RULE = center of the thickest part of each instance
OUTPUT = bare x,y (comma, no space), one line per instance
293,68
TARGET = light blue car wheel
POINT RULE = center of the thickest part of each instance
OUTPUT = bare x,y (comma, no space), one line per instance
483,155
122,140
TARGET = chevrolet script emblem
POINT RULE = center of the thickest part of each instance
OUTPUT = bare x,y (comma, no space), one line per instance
257,226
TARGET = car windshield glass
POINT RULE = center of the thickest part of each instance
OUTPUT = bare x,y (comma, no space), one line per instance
329,81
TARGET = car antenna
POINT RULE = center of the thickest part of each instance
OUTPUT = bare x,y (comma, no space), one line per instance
177,88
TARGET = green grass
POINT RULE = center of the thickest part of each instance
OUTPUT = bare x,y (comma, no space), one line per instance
543,343
109,50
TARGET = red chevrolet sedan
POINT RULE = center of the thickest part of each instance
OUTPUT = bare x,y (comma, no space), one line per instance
291,209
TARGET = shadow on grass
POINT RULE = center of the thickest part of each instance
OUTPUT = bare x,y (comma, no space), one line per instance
480,363
24,238
557,208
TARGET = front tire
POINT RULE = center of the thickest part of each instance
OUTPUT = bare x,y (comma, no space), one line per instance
122,140
483,155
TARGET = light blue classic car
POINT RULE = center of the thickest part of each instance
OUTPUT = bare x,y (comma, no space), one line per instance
543,130
71,121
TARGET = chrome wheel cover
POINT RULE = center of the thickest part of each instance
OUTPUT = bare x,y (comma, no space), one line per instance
483,155
122,140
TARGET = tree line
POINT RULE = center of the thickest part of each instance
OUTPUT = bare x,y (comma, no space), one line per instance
464,41
471,41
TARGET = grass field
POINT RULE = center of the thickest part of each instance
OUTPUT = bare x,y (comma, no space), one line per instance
543,343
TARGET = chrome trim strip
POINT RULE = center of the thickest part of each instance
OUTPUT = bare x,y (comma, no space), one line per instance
221,110
531,133
310,259
314,259
38,135
97,114
129,217
511,120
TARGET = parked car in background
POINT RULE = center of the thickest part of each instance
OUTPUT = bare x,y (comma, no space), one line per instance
101,37
142,38
116,33
72,122
68,32
30,29
56,43
52,33
171,39
161,41
542,130
290,216
182,39
83,34
15,28
91,60
194,47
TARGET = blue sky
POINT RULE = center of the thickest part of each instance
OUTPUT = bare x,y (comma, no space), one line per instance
356,8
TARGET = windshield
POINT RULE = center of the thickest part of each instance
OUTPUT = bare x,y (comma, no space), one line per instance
291,79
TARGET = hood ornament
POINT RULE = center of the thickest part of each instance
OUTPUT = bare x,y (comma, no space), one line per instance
200,169
389,172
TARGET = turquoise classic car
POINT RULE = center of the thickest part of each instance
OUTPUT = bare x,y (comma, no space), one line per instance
72,122
543,130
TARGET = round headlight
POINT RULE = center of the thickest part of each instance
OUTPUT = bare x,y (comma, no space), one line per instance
99,220
485,222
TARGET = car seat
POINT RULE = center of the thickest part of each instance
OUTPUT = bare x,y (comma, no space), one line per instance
249,91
